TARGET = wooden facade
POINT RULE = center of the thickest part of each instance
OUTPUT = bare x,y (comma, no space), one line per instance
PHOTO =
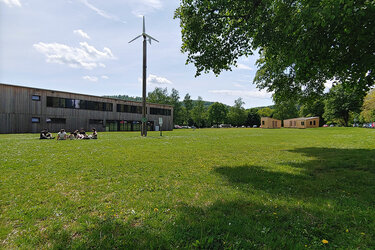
302,122
29,110
267,122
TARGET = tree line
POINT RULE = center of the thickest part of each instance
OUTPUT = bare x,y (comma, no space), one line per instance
341,106
302,45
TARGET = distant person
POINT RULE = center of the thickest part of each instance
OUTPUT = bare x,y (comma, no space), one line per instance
72,136
94,134
44,134
62,135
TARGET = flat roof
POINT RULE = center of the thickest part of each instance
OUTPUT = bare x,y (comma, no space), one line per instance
303,118
65,92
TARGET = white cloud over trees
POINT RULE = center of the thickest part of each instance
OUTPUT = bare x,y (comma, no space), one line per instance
85,56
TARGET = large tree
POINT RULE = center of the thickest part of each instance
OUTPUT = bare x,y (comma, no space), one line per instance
368,108
160,96
188,106
217,113
303,43
340,102
266,112
285,109
198,112
253,118
237,114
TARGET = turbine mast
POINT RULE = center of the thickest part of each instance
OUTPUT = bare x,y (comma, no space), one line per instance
144,81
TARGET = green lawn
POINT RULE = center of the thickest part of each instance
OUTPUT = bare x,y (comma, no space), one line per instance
208,188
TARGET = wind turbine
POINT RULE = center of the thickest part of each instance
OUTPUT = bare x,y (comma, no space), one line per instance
145,38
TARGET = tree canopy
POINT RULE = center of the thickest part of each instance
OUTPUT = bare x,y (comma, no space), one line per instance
368,108
303,43
217,113
340,102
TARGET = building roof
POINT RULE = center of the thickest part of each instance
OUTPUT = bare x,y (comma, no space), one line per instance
302,118
65,92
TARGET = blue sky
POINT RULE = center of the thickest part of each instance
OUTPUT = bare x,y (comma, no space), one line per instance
82,46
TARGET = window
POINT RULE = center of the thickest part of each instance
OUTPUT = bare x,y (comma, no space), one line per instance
314,122
35,97
303,123
94,121
129,109
56,120
159,111
57,102
262,122
311,123
290,123
35,120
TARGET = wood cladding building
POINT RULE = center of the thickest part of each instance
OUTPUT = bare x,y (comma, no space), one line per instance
29,110
302,122
268,122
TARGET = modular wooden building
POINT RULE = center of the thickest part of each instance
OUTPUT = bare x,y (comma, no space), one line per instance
29,110
268,122
302,122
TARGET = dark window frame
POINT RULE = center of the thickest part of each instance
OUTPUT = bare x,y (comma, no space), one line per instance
35,98
37,120
60,102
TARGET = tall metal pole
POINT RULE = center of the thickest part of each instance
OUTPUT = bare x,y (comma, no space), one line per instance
144,111
144,108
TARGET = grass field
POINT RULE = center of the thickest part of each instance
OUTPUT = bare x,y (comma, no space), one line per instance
208,188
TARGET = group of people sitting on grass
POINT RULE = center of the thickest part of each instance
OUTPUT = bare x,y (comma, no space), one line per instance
62,135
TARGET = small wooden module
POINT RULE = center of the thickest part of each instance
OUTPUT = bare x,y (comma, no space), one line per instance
268,122
302,122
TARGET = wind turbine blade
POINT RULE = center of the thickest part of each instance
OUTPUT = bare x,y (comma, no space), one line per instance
135,38
151,38
144,25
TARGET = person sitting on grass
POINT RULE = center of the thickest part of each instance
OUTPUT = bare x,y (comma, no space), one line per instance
94,134
44,134
62,135
72,136
82,134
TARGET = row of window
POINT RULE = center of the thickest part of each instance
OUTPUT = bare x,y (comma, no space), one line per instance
129,109
58,102
159,111
49,120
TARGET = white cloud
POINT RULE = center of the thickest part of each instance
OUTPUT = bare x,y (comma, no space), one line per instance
156,81
262,94
81,33
105,77
101,12
243,66
143,7
12,3
239,85
328,85
90,78
85,56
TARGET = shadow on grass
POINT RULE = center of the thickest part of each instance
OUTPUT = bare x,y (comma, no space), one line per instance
330,174
331,199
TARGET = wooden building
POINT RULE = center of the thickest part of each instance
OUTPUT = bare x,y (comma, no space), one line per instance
29,110
268,122
302,122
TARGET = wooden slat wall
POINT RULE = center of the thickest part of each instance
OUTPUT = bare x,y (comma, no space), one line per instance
17,108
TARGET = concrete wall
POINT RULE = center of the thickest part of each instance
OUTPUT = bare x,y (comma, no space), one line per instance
17,110
267,122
